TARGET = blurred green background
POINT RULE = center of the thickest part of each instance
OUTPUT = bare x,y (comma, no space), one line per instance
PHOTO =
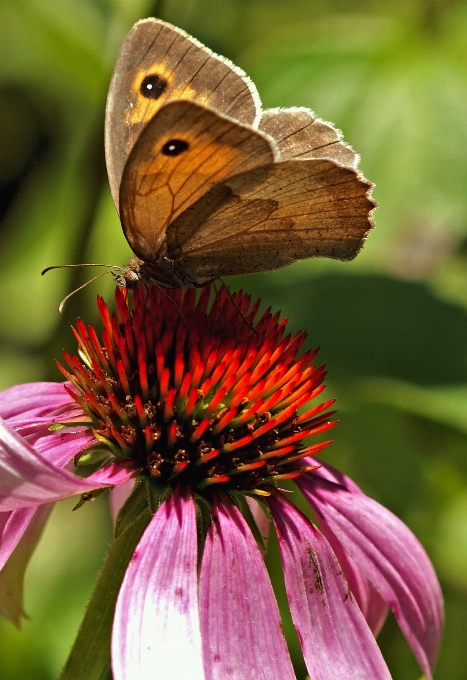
392,325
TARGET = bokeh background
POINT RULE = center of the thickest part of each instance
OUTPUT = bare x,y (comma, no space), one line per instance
392,325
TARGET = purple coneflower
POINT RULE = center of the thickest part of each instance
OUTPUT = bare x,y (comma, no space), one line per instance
205,410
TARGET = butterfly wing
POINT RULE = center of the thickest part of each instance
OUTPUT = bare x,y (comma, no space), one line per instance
299,133
182,153
159,63
272,216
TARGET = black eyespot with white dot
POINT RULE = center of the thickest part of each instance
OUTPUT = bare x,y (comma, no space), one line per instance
174,147
153,86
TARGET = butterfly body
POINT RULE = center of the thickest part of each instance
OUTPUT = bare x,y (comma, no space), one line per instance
164,272
206,183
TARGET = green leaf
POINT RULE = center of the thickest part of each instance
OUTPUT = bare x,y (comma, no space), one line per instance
445,405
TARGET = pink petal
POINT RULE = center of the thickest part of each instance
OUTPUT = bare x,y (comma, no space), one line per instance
61,447
240,621
114,474
22,532
371,604
33,399
27,479
30,424
156,625
263,522
335,638
388,554
118,496
13,524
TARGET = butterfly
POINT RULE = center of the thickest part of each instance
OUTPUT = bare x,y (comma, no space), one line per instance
206,183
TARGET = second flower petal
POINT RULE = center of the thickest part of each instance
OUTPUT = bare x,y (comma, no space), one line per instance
27,479
240,621
336,640
156,624
388,554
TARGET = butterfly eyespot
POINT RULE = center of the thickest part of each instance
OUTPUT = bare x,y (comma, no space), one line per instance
174,147
153,86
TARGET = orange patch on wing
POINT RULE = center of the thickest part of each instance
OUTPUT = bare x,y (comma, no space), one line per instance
145,107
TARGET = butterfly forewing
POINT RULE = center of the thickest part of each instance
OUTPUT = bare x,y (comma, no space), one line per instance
160,63
183,152
279,214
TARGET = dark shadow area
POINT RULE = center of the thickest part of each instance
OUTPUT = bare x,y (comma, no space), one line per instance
375,326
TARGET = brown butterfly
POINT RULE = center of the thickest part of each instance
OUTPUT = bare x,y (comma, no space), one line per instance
206,183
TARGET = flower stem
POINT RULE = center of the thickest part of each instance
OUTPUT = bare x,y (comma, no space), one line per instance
89,658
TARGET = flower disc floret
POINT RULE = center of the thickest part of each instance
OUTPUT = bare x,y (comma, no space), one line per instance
207,396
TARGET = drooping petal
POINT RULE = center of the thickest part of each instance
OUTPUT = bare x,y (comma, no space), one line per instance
32,399
262,520
27,479
66,420
13,524
18,540
61,447
156,625
371,604
388,554
118,496
72,416
240,621
114,474
336,640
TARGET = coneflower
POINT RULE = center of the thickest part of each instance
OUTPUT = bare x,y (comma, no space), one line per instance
205,408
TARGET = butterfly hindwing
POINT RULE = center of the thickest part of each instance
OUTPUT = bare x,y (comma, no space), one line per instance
299,133
278,214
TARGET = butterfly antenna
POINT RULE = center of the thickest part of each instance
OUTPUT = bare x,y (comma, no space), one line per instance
67,297
232,300
84,264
